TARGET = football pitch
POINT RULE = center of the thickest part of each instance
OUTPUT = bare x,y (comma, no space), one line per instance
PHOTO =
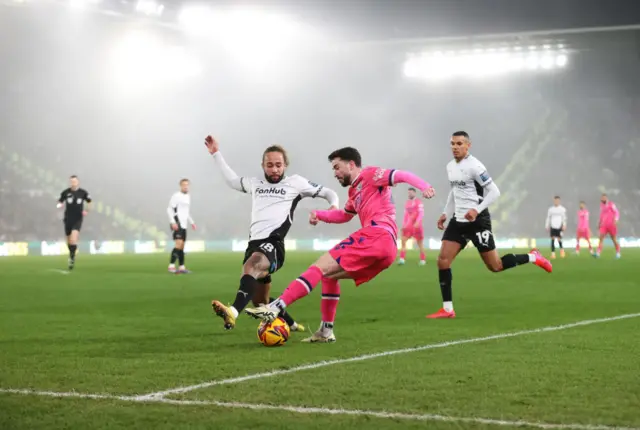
120,343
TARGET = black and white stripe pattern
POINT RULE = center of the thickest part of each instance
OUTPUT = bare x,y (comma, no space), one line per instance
330,296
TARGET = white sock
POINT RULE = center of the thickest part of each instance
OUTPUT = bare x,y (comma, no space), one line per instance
326,328
277,304
448,306
294,326
173,266
532,258
234,312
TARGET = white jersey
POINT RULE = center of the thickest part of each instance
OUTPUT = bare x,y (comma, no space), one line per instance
468,179
556,217
273,205
178,210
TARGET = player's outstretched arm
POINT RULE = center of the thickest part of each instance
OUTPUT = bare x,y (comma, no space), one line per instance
332,216
234,181
405,177
313,190
330,196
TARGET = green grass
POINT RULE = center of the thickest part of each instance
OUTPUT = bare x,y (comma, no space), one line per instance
121,325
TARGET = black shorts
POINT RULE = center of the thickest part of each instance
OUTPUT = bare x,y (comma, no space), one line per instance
555,232
478,232
72,224
180,234
273,249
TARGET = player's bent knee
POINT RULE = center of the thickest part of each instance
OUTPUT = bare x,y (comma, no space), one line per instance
257,265
328,265
444,262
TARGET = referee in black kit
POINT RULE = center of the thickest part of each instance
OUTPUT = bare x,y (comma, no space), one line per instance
73,199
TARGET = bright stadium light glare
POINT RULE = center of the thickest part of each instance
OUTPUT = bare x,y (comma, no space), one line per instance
81,4
546,62
249,34
437,66
141,61
149,7
561,60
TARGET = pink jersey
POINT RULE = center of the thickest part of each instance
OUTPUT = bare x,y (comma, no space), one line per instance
609,214
583,219
370,198
413,213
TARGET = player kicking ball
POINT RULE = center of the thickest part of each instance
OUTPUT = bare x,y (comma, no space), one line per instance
364,254
274,200
472,191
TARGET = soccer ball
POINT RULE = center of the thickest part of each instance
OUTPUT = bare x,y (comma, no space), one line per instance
275,333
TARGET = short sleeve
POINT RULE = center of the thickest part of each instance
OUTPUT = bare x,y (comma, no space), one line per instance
480,174
87,196
350,207
62,196
380,177
308,188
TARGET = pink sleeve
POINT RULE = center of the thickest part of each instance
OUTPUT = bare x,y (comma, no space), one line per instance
404,177
334,216
616,212
420,214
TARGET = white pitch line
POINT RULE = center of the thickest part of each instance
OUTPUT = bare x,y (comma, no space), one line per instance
62,272
324,411
181,390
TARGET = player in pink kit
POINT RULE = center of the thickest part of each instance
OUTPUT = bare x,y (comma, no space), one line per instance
412,226
609,216
364,254
583,231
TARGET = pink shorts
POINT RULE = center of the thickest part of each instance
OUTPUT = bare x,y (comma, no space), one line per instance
611,229
583,234
410,232
366,253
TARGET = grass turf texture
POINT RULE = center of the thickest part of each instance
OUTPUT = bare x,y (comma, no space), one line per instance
122,325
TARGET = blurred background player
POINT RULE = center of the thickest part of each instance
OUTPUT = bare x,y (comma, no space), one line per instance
73,199
364,254
180,218
467,208
274,201
583,231
412,226
555,224
609,217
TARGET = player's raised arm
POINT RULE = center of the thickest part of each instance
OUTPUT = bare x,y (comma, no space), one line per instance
393,177
231,178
